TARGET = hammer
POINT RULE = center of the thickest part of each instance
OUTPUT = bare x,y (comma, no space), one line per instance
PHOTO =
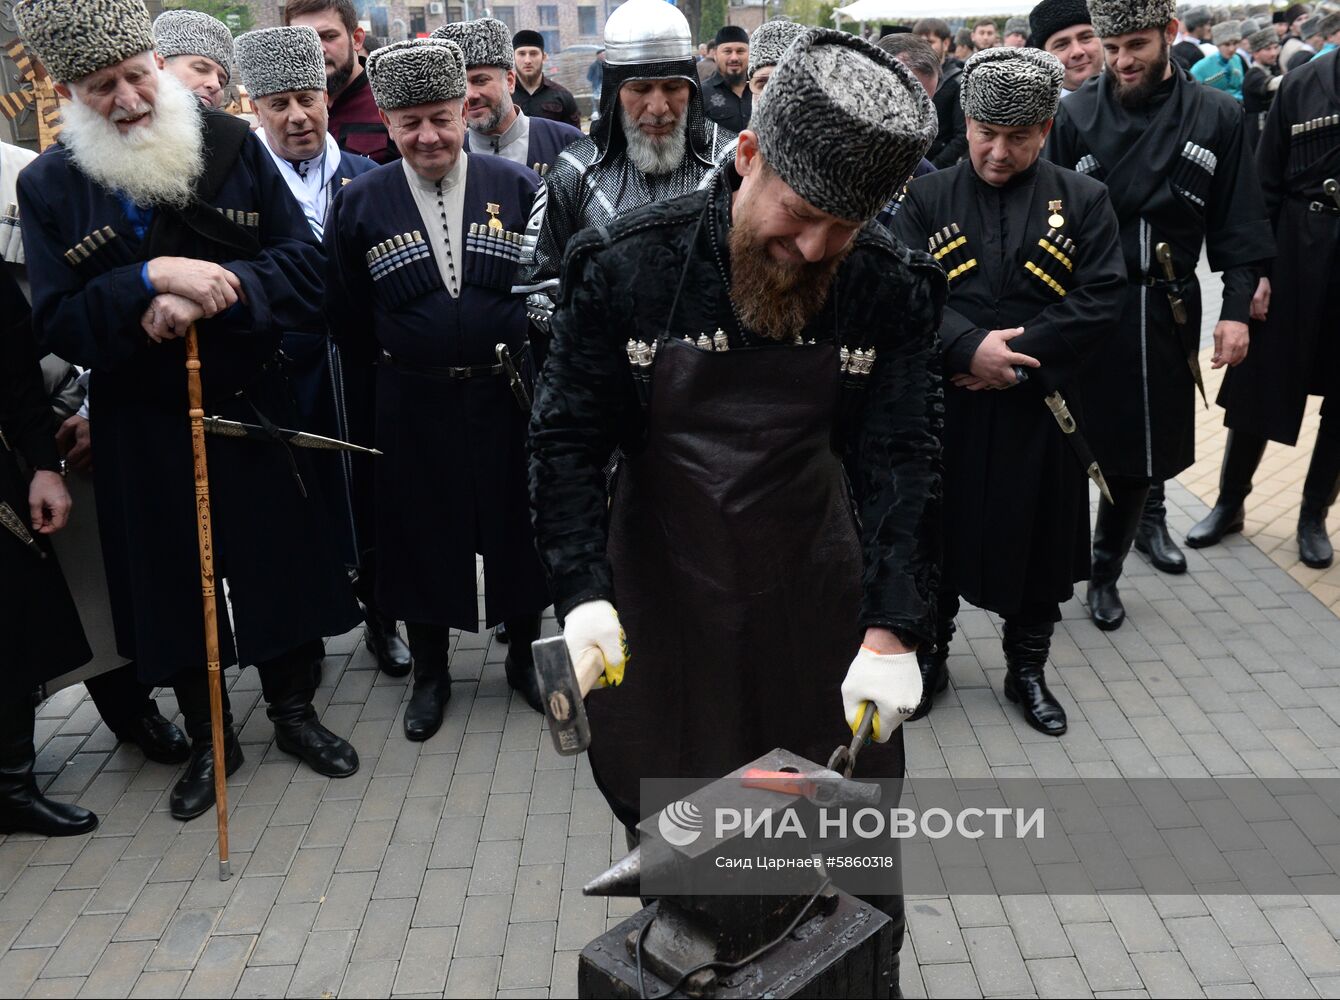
563,688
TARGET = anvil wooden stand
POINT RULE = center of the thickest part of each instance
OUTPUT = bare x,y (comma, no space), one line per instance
205,535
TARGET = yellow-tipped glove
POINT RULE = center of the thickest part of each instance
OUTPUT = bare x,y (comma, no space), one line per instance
890,682
597,645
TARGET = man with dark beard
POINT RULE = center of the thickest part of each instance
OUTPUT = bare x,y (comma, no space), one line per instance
534,93
495,122
651,142
1181,177
726,94
149,216
1036,280
740,348
354,121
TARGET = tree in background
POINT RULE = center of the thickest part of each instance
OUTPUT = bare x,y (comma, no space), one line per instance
711,20
814,12
236,15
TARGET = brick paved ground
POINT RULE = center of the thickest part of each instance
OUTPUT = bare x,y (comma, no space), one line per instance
452,867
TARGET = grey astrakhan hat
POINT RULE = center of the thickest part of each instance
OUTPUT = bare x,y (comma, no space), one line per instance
484,42
1016,26
1196,17
843,123
1309,26
770,40
1005,86
1121,17
1262,39
1249,26
193,33
74,39
1225,32
277,60
417,71
1330,24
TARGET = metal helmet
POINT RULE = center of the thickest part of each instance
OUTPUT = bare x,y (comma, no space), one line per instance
647,31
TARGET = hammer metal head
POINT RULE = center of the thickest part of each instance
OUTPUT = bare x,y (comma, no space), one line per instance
562,696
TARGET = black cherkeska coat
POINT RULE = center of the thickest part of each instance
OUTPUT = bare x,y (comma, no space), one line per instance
1294,352
40,633
1178,171
275,547
1016,523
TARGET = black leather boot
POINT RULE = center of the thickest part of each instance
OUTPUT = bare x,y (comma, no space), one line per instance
934,663
157,738
520,664
1113,533
193,793
1026,648
500,635
432,681
23,808
1319,493
288,683
1242,455
382,638
1152,539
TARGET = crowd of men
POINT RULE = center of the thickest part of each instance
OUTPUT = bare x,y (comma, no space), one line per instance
648,373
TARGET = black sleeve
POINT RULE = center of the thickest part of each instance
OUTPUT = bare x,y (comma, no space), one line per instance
571,115
956,145
893,462
1239,240
26,417
348,299
584,399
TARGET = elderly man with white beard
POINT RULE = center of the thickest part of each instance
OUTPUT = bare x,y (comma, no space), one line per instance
149,216
652,141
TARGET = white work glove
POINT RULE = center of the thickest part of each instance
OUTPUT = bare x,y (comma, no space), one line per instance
597,645
889,681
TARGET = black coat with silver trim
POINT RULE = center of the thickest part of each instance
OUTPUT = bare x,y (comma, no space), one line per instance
884,297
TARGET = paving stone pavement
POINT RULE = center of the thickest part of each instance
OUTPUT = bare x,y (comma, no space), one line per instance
453,867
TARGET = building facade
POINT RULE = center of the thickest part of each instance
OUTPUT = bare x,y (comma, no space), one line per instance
563,23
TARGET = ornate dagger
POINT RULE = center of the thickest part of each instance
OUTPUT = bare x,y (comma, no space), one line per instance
1164,255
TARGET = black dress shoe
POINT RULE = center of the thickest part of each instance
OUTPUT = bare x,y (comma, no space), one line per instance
427,702
193,793
157,738
382,638
299,732
1026,648
934,678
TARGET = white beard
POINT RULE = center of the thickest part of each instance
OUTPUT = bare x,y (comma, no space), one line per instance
651,155
153,164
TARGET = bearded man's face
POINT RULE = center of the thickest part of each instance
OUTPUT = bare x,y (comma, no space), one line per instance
1136,64
784,253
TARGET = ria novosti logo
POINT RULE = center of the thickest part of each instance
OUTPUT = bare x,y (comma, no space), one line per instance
681,823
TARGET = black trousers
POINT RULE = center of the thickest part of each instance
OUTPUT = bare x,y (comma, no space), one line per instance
293,676
120,697
1033,613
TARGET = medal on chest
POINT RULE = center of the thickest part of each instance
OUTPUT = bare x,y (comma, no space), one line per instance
1056,220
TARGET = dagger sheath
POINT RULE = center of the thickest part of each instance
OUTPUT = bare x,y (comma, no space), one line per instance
299,439
1057,404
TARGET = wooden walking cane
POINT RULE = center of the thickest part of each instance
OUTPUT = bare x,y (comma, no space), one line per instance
205,535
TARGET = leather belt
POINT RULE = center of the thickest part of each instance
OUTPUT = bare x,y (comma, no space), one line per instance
451,371
1322,208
